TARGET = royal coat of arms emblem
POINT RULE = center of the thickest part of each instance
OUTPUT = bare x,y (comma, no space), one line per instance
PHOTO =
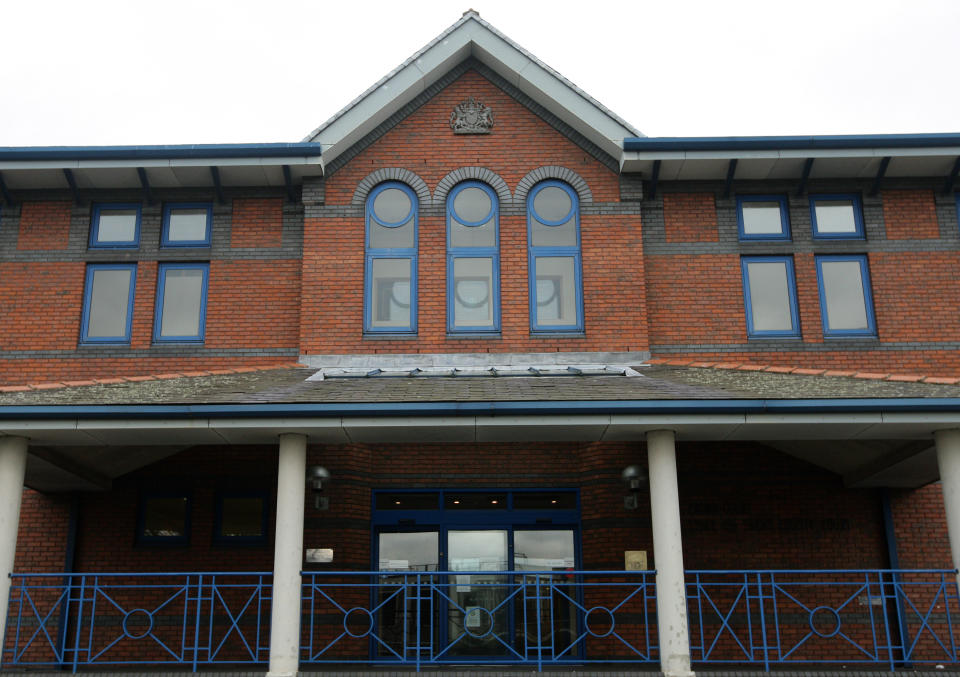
471,117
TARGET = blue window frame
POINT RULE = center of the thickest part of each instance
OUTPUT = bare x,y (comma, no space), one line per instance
241,518
115,226
554,261
837,217
181,310
390,268
473,259
846,306
108,303
770,296
164,518
763,217
187,224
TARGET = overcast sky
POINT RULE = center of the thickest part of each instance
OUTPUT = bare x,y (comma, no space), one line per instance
90,72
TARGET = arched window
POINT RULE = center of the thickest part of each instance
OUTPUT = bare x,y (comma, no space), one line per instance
473,259
553,232
390,275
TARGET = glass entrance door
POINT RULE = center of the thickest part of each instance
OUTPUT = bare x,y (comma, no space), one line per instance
405,621
477,614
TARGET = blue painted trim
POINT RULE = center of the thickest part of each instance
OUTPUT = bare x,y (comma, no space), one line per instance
87,299
98,209
534,252
858,233
399,253
193,151
220,539
168,209
784,217
161,289
493,253
171,541
794,331
871,329
673,143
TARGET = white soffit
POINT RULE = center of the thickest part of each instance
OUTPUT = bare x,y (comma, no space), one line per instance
472,36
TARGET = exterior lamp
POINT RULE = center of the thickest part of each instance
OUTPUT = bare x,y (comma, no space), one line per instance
317,476
634,477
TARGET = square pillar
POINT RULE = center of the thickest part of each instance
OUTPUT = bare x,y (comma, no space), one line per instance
13,465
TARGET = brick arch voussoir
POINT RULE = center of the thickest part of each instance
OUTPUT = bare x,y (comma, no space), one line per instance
373,179
568,176
482,174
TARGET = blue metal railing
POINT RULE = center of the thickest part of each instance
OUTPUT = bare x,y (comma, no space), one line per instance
531,618
793,617
72,620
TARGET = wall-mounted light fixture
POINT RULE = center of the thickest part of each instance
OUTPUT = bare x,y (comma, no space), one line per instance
317,476
634,477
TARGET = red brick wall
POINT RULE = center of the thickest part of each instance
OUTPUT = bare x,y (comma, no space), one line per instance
910,214
921,528
690,217
257,222
332,310
41,305
42,534
44,225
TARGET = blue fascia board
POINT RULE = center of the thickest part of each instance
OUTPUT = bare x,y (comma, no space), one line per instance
567,408
196,151
731,143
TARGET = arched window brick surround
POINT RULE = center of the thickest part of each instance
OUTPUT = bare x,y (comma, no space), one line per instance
560,174
481,174
373,179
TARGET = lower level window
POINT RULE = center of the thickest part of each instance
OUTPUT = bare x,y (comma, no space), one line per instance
108,303
846,306
181,302
770,296
164,519
241,518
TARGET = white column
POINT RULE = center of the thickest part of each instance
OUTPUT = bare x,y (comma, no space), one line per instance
668,554
288,557
948,460
13,465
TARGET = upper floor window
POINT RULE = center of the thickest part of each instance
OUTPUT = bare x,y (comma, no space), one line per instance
187,224
473,259
770,296
115,225
763,217
846,306
390,270
553,232
837,217
181,302
108,303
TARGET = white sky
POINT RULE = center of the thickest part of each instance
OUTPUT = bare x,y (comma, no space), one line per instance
91,72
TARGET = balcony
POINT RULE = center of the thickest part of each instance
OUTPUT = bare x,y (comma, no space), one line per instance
774,619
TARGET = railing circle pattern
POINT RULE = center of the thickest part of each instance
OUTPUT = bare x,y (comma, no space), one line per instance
132,619
358,612
599,614
825,617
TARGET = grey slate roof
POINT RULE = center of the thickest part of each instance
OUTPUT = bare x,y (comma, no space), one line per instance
657,382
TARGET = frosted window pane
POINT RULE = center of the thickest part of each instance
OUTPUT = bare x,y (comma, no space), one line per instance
472,236
382,237
182,295
762,218
472,286
117,225
187,225
835,216
769,296
391,293
392,205
552,203
109,299
472,204
843,289
555,236
556,292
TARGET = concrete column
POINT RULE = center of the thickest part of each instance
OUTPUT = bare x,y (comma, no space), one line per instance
668,554
288,557
13,465
948,460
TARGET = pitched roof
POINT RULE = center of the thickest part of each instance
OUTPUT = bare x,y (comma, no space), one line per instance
469,37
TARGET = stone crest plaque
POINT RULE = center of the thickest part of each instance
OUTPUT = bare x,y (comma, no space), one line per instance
471,117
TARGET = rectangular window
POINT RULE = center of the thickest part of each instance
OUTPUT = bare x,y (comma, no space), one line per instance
164,519
555,292
108,303
115,226
473,294
241,518
763,217
846,307
391,291
770,296
187,224
836,217
181,302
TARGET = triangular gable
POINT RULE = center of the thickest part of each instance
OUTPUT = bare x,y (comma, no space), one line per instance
471,36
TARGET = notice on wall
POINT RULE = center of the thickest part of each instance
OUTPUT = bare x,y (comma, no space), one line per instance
635,560
319,555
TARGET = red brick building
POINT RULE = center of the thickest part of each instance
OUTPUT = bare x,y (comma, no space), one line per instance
478,374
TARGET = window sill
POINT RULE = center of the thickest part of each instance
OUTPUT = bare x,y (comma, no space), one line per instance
558,334
390,337
468,336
